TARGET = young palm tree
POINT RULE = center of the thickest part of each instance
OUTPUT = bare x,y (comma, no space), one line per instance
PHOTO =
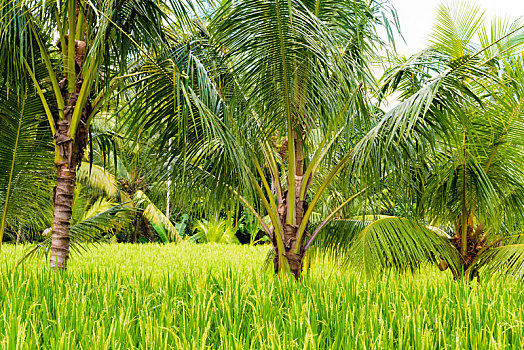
261,96
458,136
140,182
84,47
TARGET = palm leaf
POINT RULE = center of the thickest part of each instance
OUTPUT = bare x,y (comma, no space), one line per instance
455,27
91,230
505,255
216,231
393,242
163,226
98,179
25,160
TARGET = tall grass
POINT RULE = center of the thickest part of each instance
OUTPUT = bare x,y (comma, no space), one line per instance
211,296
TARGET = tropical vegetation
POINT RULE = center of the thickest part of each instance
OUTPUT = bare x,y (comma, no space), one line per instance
189,151
269,113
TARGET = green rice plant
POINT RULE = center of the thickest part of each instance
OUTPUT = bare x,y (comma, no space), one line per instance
214,296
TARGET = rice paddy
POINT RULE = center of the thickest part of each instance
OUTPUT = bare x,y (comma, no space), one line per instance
211,296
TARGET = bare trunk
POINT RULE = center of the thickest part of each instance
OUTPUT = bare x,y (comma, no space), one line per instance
63,199
292,260
146,231
19,237
168,194
137,226
70,156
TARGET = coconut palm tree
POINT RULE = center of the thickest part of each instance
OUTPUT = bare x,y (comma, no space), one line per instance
127,174
457,135
73,53
142,184
254,103
26,155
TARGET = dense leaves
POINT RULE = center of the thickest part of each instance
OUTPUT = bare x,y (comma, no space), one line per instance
272,108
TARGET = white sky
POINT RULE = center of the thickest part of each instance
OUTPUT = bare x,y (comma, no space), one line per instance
417,17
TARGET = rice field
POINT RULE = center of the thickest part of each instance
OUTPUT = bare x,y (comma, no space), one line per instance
210,296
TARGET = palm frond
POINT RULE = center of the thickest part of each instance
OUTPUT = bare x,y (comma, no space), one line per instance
25,160
393,242
505,256
23,24
91,230
455,27
216,231
163,226
97,179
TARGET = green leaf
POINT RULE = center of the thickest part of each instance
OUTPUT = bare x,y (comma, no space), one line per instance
158,220
398,243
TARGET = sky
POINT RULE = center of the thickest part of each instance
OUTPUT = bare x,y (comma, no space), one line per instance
417,17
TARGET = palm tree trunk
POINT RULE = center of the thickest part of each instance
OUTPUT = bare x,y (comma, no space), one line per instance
290,235
137,226
69,150
469,240
63,200
290,259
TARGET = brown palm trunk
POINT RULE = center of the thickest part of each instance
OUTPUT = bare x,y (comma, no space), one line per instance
71,152
473,240
293,260
63,199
